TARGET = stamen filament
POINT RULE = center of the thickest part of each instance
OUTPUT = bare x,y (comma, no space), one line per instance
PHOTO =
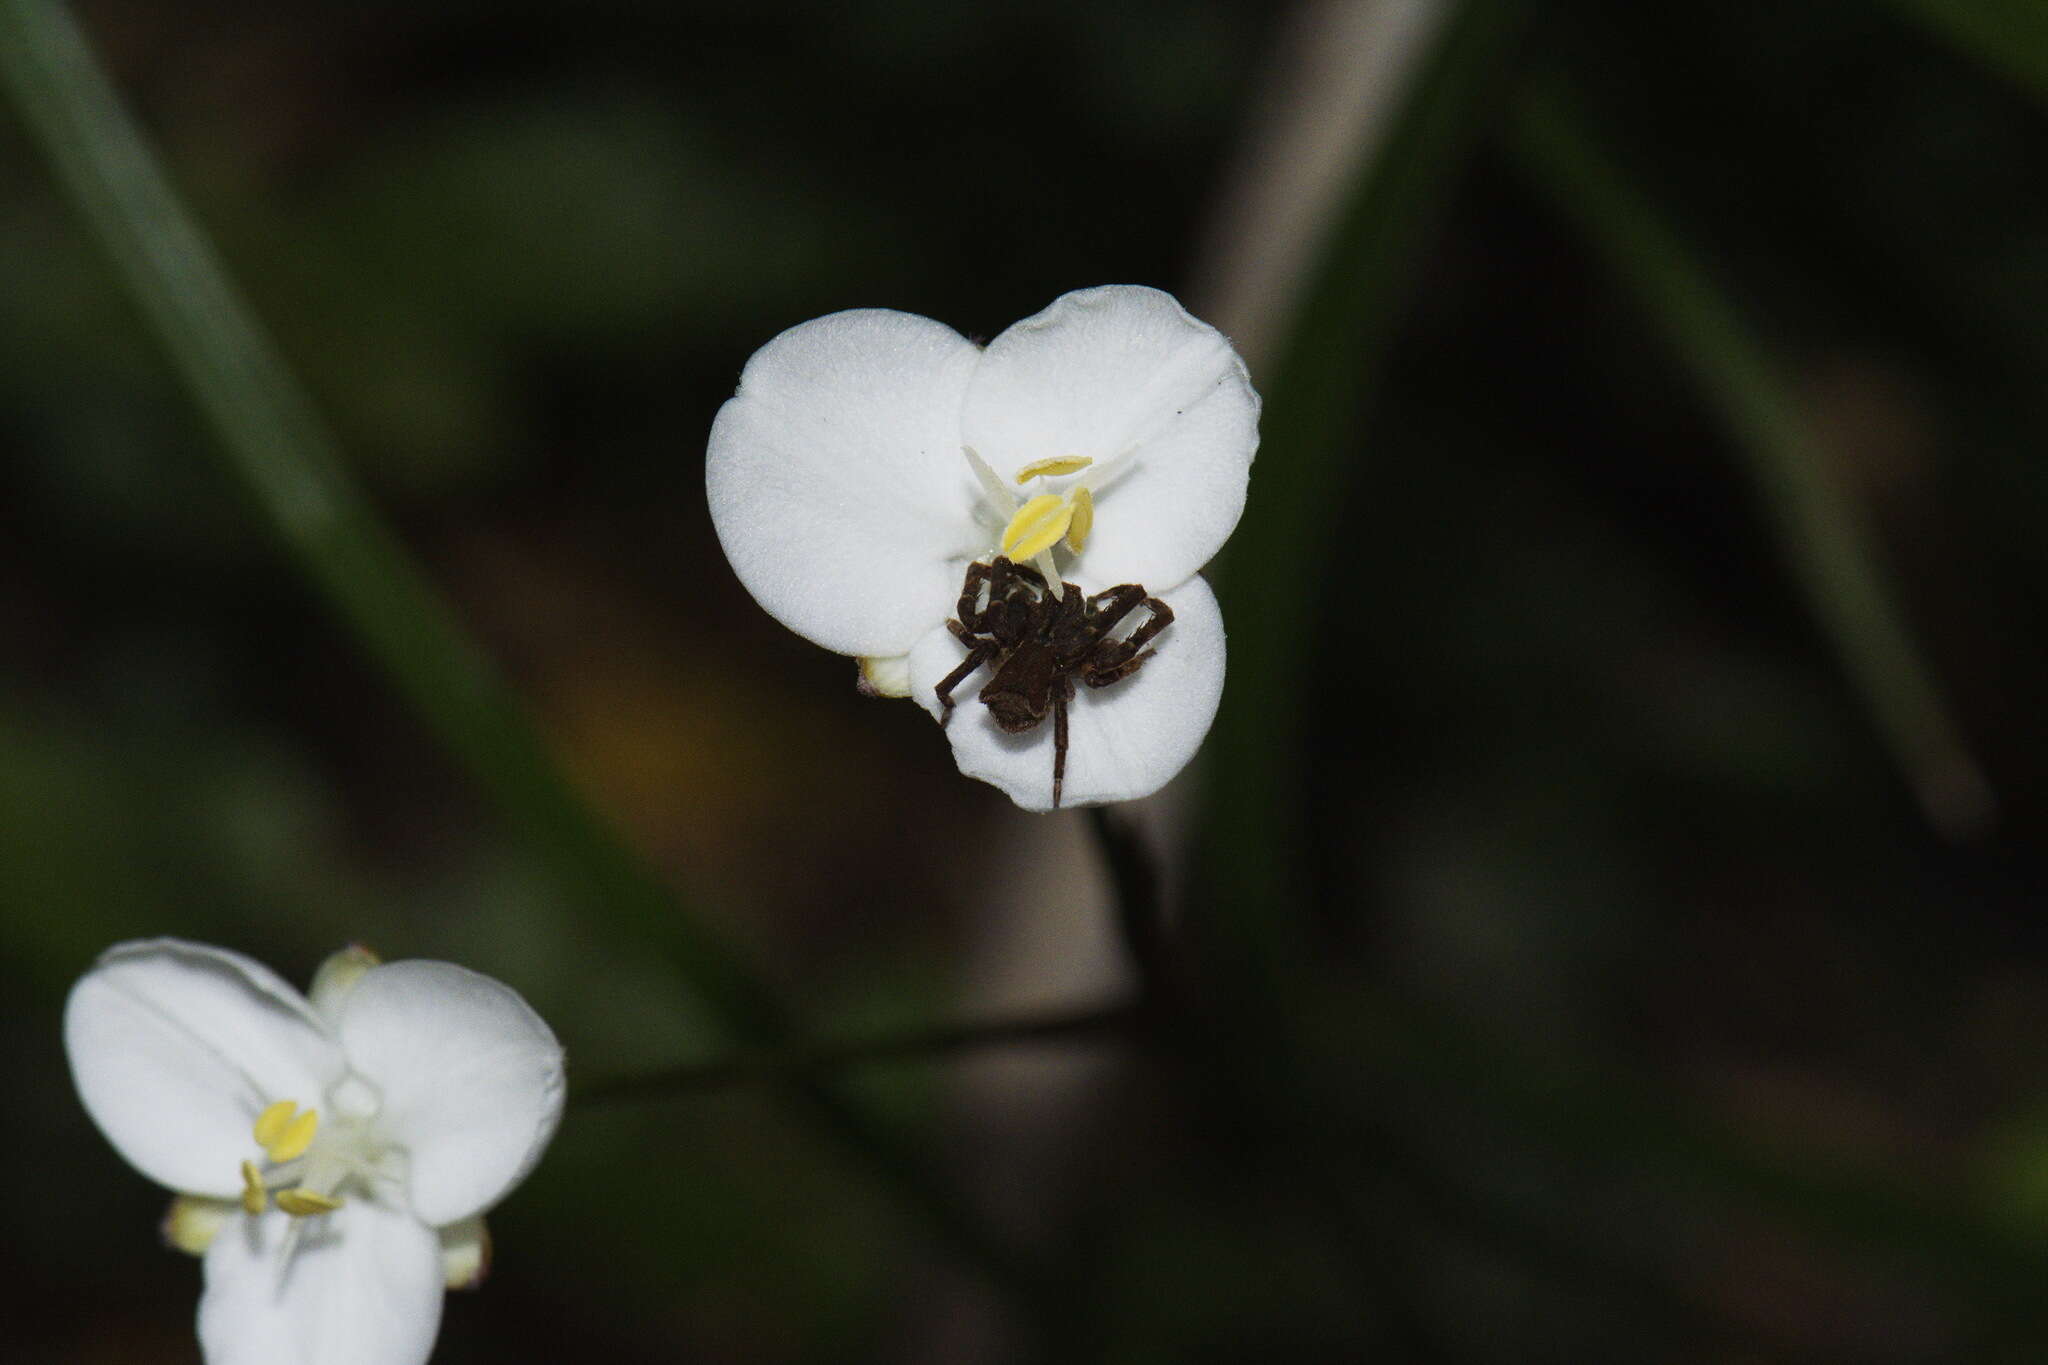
1107,471
1051,571
999,497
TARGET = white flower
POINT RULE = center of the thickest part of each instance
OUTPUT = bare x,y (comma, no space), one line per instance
334,1155
870,456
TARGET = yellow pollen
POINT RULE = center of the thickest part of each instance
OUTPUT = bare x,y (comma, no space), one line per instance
254,1195
270,1123
1037,526
297,1136
1084,519
1057,465
304,1203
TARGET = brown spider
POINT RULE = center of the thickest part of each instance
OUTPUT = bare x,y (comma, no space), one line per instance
1036,644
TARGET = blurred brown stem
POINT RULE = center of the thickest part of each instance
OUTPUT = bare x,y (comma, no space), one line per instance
756,1068
1140,911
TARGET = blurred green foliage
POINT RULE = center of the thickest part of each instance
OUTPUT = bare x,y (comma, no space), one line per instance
1630,1008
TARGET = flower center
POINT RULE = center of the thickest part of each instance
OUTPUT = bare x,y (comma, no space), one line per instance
1042,522
306,1164
1035,526
1046,519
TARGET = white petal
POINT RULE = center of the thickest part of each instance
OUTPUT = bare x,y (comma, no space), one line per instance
836,480
471,1079
176,1047
1124,741
361,1286
1124,371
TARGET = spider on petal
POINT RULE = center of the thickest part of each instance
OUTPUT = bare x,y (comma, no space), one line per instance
1036,644
1107,440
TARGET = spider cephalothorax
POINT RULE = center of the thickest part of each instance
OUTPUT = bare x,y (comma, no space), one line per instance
1036,644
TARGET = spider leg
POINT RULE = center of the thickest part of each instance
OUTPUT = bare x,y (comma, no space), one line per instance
1023,572
1015,592
1103,677
1161,618
1106,610
978,574
1063,694
1119,659
1112,605
976,657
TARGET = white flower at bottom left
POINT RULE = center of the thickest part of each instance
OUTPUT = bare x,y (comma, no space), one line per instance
333,1153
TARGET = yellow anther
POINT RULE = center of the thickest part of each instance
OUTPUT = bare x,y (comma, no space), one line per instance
1084,519
254,1193
1038,525
297,1136
1045,535
1057,465
271,1122
304,1203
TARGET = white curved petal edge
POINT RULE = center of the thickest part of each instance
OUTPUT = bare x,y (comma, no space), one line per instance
361,1286
471,1080
1124,374
836,482
175,1047
1125,741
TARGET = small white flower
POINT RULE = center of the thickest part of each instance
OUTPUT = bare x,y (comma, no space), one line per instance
334,1155
870,456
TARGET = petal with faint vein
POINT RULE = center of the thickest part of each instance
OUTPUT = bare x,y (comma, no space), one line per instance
471,1080
836,481
361,1287
176,1047
1123,373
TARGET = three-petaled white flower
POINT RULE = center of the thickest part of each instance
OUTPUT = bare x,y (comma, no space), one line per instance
870,456
334,1155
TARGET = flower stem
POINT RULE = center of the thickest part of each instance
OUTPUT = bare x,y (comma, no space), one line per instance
1140,912
758,1068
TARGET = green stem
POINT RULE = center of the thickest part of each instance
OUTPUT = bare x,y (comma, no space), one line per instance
283,455
758,1068
1820,527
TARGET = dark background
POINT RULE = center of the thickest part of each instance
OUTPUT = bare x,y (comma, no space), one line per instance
1641,1003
